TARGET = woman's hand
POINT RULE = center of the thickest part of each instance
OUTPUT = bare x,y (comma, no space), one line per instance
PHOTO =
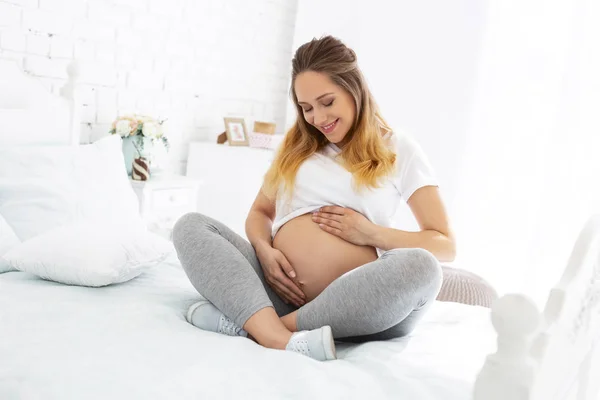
279,274
345,223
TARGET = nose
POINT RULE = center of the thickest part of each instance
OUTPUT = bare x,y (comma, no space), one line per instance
320,118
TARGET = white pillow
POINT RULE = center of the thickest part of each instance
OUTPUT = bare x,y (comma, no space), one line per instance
8,240
43,187
89,254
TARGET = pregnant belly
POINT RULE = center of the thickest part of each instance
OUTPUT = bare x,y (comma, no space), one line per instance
318,257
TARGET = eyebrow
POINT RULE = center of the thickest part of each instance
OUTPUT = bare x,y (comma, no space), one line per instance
321,96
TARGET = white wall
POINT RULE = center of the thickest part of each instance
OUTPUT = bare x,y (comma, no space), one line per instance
191,61
531,175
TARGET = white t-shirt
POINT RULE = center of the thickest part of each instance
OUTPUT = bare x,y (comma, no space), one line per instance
323,181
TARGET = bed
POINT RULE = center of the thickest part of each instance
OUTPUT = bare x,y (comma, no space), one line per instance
130,340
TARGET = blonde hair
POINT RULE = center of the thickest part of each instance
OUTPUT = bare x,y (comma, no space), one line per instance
365,155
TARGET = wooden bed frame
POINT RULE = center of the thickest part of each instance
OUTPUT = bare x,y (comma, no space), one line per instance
549,355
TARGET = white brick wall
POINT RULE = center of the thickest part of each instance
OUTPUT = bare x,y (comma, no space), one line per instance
192,61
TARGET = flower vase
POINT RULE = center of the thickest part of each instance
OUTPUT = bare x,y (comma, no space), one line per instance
140,169
129,152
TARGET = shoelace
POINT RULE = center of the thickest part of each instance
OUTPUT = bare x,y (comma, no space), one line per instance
228,327
299,346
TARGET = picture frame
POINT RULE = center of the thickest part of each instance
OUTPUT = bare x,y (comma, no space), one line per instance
235,129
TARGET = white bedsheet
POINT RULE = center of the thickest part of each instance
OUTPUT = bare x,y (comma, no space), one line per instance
131,341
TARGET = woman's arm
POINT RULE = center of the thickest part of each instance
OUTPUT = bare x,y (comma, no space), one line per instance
278,272
435,235
427,207
260,221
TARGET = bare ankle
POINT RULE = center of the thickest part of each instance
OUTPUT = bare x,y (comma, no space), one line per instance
265,328
289,321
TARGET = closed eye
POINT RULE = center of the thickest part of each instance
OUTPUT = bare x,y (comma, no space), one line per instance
325,105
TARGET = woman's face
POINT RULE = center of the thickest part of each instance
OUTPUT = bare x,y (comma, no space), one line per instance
325,105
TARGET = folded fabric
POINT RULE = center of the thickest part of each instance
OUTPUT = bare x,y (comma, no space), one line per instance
87,253
8,239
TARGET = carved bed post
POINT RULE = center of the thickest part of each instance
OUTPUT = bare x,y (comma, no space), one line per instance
509,373
69,92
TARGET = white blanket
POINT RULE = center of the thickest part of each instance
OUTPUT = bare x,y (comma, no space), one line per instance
131,341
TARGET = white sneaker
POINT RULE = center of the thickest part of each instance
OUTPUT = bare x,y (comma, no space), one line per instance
317,344
205,315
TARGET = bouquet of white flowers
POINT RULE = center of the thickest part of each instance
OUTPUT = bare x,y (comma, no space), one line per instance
145,134
142,127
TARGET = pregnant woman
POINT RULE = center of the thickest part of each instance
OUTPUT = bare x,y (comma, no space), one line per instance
323,261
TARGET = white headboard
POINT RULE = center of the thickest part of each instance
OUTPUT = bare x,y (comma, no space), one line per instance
30,115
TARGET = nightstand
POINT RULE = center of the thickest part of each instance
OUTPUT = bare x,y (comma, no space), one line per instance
163,199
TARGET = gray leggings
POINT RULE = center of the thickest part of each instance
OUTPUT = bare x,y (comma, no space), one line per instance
381,300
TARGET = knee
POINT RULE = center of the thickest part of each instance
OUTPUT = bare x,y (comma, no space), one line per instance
186,225
428,266
421,266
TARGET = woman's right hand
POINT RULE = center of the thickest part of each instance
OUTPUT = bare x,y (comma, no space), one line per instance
279,274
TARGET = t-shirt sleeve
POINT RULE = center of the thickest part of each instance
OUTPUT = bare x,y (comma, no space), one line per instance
413,169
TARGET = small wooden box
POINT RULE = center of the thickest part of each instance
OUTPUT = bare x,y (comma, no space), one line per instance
264,127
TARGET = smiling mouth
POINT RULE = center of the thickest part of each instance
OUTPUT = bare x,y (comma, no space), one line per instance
329,128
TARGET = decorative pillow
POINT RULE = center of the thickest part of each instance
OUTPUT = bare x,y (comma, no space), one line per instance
89,254
8,240
43,187
461,286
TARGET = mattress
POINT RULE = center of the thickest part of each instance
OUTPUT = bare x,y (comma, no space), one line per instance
131,341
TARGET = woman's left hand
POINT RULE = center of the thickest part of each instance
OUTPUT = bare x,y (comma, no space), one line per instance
345,223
